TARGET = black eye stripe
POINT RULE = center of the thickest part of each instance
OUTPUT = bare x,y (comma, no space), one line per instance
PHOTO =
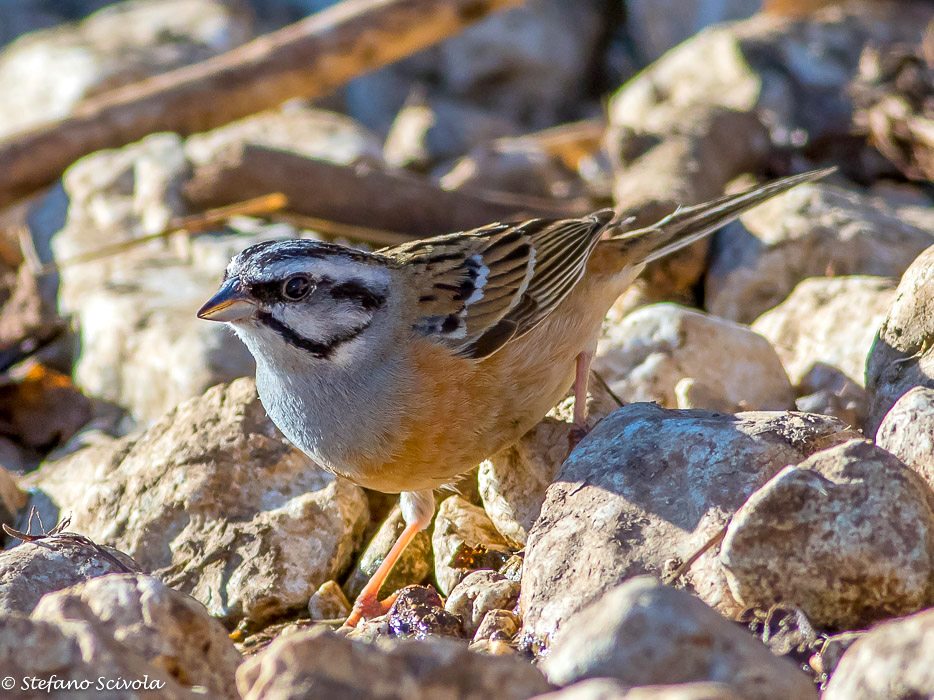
359,294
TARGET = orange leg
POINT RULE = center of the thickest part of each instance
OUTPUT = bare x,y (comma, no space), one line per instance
581,378
417,509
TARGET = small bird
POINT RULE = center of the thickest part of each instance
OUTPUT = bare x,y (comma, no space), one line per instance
402,369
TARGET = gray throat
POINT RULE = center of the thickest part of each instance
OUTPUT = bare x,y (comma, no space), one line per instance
336,415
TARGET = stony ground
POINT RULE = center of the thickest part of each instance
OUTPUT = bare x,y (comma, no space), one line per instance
751,516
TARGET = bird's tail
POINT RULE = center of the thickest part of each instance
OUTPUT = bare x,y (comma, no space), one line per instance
688,224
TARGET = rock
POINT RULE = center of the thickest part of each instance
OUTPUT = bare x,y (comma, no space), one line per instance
328,603
814,230
12,498
827,390
828,319
690,393
513,481
644,357
500,625
418,612
908,432
644,491
45,74
890,662
847,536
593,689
656,27
794,72
319,664
528,65
215,502
168,629
609,689
70,659
900,358
141,345
412,567
642,633
21,16
458,523
296,127
479,593
32,569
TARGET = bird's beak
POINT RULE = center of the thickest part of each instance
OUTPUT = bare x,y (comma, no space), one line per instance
229,304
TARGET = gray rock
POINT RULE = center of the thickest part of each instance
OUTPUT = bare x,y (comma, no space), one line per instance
908,432
513,481
217,503
901,357
319,664
645,356
609,689
478,593
814,230
794,72
827,390
642,633
32,569
847,536
526,65
647,489
328,603
828,319
890,662
45,74
459,523
166,628
65,659
655,27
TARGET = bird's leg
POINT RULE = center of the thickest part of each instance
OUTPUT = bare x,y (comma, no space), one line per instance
417,509
581,377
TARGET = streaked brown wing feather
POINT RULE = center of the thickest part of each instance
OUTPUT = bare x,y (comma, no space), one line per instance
479,289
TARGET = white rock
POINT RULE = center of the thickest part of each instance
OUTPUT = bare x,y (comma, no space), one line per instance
828,319
908,432
216,502
644,357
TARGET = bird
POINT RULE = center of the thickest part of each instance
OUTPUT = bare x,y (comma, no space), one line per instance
404,368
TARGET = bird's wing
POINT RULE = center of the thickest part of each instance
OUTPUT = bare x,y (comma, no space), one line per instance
479,289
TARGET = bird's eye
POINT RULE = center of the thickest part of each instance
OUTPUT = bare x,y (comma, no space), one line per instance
296,287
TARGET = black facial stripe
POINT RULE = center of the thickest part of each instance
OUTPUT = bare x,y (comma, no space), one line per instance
359,294
321,350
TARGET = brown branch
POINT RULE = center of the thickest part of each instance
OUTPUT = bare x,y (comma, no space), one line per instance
307,59
358,195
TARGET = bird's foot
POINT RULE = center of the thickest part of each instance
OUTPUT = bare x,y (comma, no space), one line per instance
367,607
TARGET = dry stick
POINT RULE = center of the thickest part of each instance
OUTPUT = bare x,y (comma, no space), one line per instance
683,569
307,59
358,195
186,224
